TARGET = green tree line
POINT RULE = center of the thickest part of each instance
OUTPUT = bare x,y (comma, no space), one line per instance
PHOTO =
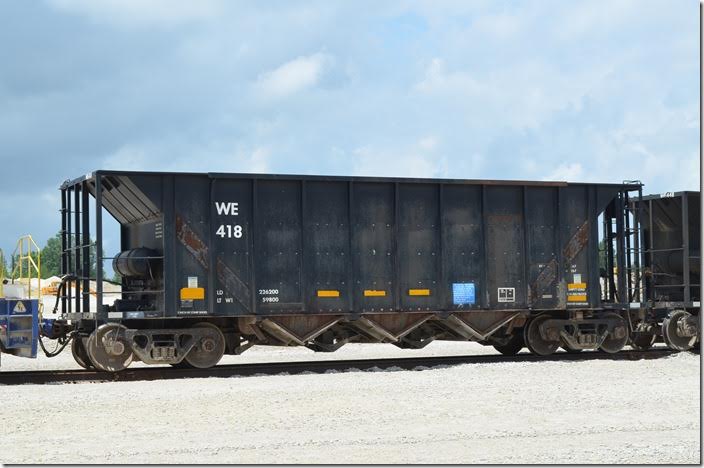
50,259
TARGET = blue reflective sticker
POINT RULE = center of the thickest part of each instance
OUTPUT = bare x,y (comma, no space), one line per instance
463,293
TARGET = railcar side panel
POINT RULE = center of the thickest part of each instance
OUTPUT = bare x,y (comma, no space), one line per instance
326,246
269,245
463,246
232,205
541,224
418,244
505,247
278,245
192,257
374,247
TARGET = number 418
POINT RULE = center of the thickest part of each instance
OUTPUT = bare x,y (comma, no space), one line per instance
226,230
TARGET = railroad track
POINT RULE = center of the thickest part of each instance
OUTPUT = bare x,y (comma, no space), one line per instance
298,367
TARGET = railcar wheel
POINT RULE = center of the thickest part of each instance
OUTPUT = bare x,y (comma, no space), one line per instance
617,339
513,345
209,349
536,343
108,348
642,341
672,326
80,355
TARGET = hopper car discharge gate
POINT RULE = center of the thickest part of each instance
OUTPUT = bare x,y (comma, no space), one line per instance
216,263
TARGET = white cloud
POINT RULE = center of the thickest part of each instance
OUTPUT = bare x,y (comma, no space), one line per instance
416,160
438,79
372,162
221,157
501,26
257,160
140,12
521,94
127,158
293,76
217,156
428,143
570,172
584,18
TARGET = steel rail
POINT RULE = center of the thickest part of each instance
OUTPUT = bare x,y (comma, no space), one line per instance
316,367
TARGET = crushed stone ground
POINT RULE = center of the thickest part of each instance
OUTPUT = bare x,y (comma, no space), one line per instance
550,412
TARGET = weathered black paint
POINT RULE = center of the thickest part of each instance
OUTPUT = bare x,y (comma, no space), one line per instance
672,247
305,234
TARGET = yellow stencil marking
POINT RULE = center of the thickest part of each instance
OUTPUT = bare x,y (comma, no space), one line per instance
192,294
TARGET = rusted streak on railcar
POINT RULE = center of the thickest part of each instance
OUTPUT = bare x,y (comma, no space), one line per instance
192,242
548,274
232,283
576,243
545,278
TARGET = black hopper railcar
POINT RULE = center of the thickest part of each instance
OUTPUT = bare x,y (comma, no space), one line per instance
215,263
665,294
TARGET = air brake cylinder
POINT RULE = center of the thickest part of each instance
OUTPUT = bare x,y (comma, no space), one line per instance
135,263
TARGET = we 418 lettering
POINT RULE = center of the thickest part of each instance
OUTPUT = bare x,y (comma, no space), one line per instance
229,231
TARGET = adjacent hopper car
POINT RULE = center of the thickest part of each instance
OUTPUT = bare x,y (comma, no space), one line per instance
670,281
211,264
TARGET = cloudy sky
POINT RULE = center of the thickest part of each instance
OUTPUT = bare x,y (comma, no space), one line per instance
580,91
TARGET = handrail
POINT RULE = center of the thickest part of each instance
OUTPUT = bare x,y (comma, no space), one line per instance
26,252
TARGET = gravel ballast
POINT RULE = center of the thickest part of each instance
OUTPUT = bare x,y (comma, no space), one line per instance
548,412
